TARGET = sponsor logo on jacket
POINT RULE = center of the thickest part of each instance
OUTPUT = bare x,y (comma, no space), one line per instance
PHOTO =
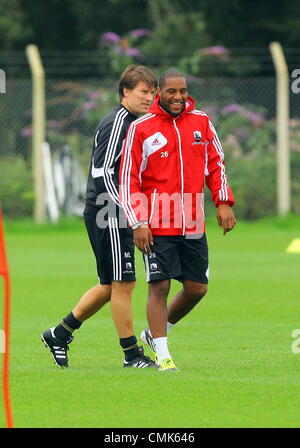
154,143
197,138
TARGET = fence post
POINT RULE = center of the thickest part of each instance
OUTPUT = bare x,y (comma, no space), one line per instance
282,129
38,129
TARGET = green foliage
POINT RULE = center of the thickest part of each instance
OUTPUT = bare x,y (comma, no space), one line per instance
253,180
295,180
13,26
176,35
238,23
16,189
74,110
248,140
180,30
15,118
121,51
57,25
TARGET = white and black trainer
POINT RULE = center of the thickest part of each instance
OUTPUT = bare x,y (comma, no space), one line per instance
148,340
140,361
57,347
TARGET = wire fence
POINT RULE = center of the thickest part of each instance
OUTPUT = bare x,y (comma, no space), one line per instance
85,64
242,109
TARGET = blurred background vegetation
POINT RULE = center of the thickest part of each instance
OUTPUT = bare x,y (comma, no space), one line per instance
222,47
175,32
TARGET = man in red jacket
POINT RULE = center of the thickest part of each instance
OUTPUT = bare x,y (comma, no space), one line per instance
168,156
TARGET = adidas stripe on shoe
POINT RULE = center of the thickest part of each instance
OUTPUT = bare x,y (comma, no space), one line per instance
140,362
57,347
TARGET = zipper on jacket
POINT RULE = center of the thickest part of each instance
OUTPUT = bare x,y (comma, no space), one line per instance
152,206
206,172
182,177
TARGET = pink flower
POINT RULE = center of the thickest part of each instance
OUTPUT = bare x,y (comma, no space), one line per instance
94,95
255,118
111,38
140,32
133,52
89,105
27,131
231,108
216,50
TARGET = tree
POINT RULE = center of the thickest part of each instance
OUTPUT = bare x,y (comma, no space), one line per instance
67,24
13,27
253,23
178,29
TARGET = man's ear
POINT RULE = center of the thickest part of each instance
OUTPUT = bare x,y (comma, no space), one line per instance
126,92
158,91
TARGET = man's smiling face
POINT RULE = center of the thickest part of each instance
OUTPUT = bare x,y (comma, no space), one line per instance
173,95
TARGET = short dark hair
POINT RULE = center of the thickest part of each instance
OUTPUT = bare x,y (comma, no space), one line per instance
171,73
132,75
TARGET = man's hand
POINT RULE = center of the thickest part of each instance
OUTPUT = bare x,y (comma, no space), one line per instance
226,218
143,238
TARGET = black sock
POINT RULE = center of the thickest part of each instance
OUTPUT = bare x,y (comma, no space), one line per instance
66,327
130,348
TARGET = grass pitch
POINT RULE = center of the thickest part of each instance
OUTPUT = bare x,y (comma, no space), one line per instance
237,368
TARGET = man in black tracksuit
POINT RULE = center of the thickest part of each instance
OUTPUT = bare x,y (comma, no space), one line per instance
113,248
111,239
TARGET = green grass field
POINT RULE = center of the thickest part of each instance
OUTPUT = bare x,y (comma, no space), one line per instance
237,368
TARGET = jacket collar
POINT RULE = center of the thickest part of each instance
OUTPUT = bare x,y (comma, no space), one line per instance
158,110
131,115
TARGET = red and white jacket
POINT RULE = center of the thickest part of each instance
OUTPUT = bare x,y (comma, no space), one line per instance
165,162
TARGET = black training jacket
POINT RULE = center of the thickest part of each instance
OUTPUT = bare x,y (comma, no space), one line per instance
105,161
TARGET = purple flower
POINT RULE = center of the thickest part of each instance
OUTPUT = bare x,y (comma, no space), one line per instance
256,118
241,133
94,95
133,52
111,38
231,108
89,105
27,131
140,32
216,50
